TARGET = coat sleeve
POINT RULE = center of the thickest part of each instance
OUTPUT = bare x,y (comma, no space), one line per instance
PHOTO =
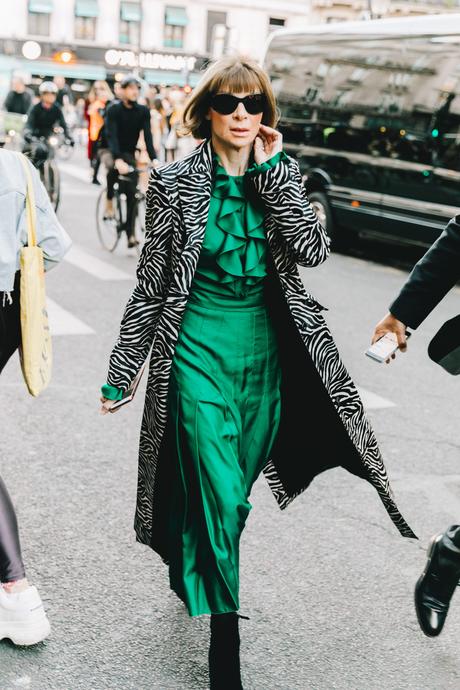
431,278
285,199
146,302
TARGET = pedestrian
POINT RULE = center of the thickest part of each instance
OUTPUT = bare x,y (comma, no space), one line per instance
237,344
19,99
22,616
99,96
431,279
64,95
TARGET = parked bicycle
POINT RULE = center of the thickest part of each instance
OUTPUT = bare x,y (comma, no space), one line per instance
110,228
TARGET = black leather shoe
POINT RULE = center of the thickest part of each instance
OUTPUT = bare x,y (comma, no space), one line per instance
435,587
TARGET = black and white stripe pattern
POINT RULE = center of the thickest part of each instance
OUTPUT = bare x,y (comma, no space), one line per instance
177,209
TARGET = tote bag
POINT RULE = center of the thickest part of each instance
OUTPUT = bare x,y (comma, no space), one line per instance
35,350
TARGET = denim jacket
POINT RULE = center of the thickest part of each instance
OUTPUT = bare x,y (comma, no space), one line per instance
51,236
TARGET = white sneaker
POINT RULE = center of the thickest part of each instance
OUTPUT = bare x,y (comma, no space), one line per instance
22,617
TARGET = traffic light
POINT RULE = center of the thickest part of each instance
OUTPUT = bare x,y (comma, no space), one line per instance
435,133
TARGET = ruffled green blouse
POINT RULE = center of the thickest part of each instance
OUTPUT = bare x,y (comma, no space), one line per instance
233,258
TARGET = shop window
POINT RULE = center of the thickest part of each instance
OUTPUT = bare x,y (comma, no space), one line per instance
85,28
175,24
275,23
39,24
214,19
130,22
129,32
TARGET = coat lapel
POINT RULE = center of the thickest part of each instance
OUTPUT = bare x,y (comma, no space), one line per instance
194,190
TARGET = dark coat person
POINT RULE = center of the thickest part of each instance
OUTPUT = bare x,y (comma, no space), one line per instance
431,279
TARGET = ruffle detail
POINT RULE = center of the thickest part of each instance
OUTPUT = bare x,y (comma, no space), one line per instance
243,251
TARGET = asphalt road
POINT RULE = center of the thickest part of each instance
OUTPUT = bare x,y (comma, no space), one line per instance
328,584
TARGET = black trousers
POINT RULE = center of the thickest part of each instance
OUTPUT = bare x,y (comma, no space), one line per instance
11,565
10,324
127,187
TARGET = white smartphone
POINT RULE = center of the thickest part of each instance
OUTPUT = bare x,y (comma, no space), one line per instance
384,347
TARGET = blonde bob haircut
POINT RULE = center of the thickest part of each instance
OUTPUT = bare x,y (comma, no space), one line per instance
234,74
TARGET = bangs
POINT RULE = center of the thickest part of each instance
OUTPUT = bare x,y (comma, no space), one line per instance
236,79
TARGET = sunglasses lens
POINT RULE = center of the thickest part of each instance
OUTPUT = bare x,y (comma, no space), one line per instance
224,103
254,104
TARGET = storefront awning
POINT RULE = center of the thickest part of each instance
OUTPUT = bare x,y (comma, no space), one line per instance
41,6
169,77
176,16
76,71
86,8
131,11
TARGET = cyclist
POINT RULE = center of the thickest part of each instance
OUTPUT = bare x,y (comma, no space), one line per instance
43,118
124,122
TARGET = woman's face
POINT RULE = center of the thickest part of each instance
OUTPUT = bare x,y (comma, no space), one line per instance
237,130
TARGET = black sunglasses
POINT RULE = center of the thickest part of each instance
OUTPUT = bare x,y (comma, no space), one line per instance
226,103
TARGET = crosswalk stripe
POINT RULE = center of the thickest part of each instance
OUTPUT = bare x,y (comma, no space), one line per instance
76,172
100,269
62,322
372,401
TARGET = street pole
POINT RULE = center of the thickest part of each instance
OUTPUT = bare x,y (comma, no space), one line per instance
369,5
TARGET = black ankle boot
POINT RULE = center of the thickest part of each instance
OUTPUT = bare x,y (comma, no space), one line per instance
224,652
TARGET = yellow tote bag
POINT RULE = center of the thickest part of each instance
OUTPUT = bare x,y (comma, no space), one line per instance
35,350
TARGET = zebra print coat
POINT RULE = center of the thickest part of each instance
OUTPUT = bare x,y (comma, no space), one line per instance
323,424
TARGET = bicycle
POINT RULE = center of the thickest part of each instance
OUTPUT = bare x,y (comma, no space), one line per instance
111,228
42,156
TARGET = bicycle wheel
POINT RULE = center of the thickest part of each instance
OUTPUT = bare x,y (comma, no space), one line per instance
139,221
107,228
52,182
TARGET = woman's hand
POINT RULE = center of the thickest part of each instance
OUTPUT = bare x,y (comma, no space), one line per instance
267,144
106,405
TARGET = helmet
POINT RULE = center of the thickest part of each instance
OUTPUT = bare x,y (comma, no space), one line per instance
48,87
130,79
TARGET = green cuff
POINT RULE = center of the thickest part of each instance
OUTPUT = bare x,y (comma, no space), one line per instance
267,165
111,393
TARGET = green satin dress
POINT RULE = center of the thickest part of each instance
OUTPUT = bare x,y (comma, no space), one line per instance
224,400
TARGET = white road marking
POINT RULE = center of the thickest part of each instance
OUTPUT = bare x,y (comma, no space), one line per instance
76,172
372,401
62,322
100,269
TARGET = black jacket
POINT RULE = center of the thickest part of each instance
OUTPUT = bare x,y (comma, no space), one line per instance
431,278
41,121
123,126
18,102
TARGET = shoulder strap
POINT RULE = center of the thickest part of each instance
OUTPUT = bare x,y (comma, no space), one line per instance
30,204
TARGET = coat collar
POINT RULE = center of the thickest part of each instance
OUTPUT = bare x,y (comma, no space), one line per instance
194,181
199,162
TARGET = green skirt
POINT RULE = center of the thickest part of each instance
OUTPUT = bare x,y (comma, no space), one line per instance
224,402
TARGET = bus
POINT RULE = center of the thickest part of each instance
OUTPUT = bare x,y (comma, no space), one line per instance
371,111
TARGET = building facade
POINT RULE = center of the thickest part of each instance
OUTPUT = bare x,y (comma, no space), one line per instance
348,10
165,42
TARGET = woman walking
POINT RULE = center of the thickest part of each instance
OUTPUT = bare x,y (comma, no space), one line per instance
236,344
22,616
98,97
